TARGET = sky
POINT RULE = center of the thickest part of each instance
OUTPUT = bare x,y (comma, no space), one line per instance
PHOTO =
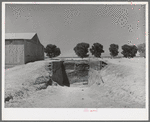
70,24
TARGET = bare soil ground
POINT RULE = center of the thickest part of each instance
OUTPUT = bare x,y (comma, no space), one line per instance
121,84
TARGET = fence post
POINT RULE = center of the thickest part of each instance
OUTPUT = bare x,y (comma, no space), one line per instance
100,65
51,67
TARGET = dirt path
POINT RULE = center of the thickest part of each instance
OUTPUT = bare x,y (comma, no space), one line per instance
76,96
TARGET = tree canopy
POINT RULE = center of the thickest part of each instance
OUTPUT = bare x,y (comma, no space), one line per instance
97,49
52,51
129,51
141,49
81,49
114,50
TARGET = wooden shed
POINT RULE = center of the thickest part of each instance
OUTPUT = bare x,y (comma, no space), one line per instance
21,48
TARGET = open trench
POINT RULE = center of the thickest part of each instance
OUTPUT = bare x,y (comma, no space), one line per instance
68,73
64,73
73,73
77,73
82,83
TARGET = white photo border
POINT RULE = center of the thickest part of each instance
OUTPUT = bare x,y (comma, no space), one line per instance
74,113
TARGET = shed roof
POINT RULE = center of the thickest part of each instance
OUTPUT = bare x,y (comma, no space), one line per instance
19,35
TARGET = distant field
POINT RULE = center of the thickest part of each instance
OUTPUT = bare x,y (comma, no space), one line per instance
88,57
74,58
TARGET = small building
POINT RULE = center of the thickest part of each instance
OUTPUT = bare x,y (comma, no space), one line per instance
21,48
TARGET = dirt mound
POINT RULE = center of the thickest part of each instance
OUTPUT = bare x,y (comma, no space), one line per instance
95,77
121,82
22,80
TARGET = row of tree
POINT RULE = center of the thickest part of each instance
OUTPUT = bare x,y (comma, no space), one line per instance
82,50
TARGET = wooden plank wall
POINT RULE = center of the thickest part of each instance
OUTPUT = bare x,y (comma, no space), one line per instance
34,52
14,54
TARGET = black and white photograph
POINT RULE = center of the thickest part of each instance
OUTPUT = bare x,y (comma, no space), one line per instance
75,55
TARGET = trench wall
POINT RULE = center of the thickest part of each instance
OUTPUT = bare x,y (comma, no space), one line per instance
58,73
68,72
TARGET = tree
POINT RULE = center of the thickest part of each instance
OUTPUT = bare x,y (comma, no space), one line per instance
141,49
97,49
114,50
129,51
81,49
52,51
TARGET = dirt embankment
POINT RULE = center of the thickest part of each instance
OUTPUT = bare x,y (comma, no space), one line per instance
21,81
122,80
118,85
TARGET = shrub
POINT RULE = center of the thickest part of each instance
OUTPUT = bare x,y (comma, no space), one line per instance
141,49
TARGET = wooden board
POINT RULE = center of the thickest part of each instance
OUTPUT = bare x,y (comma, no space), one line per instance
14,54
